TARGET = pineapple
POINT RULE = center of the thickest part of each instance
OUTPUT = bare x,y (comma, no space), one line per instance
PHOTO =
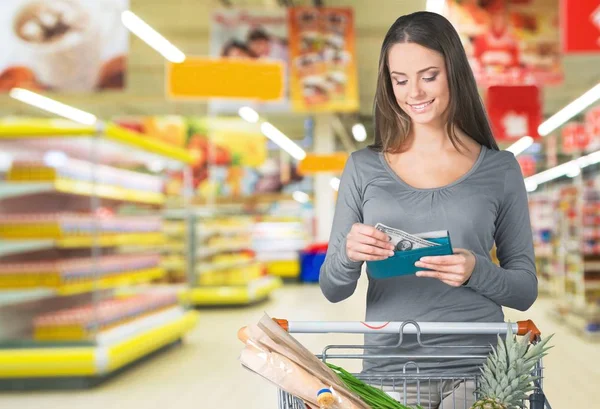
507,373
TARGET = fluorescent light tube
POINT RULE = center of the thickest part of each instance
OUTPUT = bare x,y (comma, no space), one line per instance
521,145
53,106
570,111
282,141
151,37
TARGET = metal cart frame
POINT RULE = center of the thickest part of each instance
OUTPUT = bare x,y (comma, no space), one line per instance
401,382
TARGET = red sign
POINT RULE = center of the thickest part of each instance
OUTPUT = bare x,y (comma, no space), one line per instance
592,127
580,25
514,111
574,137
527,163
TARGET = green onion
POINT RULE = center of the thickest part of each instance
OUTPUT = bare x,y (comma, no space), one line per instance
375,398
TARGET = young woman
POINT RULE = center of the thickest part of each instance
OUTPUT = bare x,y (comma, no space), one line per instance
434,166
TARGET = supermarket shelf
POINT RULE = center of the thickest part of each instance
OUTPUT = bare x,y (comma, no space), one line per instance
79,188
284,269
115,240
578,322
52,128
95,361
8,247
15,297
243,200
222,231
211,251
219,266
124,279
174,263
103,283
255,291
127,137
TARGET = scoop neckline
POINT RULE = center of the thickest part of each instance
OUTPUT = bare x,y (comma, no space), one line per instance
476,165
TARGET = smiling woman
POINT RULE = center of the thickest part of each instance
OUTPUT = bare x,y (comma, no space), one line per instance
434,166
424,75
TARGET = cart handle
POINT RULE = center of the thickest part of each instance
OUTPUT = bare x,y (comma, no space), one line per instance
359,327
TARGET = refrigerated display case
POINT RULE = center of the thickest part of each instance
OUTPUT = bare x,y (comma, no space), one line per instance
81,233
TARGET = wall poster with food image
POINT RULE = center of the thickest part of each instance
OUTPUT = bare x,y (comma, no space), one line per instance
254,35
63,45
323,59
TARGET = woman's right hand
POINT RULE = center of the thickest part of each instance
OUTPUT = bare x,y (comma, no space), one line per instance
366,243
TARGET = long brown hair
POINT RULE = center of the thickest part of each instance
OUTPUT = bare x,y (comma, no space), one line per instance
465,110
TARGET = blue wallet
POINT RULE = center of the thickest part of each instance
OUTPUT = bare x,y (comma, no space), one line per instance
403,262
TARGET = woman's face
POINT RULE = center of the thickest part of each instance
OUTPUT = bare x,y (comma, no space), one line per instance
420,82
236,52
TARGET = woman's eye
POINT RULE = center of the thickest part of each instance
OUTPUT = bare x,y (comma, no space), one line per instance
430,79
401,82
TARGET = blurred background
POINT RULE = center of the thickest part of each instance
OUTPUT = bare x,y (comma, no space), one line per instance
168,172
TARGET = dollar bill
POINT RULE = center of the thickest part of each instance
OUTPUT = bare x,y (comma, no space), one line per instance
404,241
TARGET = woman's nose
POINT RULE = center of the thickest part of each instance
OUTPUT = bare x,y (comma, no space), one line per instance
415,90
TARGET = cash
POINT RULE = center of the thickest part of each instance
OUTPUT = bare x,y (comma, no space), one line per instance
404,241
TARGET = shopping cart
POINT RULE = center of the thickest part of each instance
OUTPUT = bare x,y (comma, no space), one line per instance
411,381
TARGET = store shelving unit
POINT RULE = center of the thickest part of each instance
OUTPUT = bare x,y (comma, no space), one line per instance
542,209
224,269
277,241
576,255
74,303
175,249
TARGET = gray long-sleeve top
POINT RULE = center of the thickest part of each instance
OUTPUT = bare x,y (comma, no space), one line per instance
486,205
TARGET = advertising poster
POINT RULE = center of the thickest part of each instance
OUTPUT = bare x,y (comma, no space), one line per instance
510,42
250,34
63,45
580,26
323,74
231,156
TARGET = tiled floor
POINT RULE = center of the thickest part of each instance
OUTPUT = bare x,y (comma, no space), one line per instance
204,371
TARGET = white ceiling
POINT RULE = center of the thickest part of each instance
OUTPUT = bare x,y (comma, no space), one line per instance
185,23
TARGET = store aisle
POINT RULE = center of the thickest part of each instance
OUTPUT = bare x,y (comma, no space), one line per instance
204,371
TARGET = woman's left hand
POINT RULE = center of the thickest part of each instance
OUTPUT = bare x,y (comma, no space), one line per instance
453,270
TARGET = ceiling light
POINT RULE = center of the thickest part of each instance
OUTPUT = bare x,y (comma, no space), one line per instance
335,184
521,145
570,169
570,111
435,6
248,114
530,185
282,141
151,37
300,196
53,106
359,132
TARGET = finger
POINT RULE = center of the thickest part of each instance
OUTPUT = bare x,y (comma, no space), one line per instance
452,269
450,279
444,260
372,241
355,255
368,249
373,232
